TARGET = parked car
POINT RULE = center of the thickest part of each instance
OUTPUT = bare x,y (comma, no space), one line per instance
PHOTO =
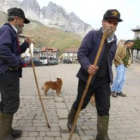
68,61
52,61
27,60
44,60
36,61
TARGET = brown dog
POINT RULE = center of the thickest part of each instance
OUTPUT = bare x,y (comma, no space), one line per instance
55,85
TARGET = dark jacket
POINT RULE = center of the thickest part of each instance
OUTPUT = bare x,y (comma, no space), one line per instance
87,53
9,52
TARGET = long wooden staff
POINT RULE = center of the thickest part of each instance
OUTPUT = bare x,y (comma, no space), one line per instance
87,85
39,94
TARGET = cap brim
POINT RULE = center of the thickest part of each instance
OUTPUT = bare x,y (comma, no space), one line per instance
119,20
26,21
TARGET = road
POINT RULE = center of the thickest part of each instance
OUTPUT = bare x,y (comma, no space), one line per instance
124,114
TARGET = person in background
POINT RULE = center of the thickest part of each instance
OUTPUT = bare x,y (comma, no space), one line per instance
122,61
100,84
11,65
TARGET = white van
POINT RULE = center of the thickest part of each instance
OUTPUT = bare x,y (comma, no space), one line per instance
52,61
44,60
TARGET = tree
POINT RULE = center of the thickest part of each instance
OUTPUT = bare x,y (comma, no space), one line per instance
137,44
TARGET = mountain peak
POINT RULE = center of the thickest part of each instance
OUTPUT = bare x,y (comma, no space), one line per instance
51,3
51,15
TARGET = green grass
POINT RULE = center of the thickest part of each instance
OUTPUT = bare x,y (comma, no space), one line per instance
50,37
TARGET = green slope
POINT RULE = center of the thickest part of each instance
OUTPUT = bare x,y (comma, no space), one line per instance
48,37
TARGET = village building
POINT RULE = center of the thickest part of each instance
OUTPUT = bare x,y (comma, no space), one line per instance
49,52
70,53
136,32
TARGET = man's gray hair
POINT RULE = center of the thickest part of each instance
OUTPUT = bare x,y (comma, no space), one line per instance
10,18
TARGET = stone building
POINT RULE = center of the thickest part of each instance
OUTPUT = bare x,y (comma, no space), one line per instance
136,32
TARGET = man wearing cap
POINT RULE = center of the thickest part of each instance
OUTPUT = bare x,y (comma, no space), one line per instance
11,70
122,61
100,84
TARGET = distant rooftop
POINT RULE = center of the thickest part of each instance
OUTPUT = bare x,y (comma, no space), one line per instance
71,50
137,29
48,49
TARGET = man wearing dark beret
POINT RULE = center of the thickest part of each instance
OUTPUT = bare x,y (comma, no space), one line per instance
11,65
100,84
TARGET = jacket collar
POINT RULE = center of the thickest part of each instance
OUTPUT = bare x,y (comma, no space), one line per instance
8,24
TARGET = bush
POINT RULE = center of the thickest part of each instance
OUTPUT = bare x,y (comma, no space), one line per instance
137,44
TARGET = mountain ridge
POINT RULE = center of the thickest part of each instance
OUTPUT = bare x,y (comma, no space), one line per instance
51,15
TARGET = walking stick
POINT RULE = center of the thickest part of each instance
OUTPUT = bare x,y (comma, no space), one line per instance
87,85
39,94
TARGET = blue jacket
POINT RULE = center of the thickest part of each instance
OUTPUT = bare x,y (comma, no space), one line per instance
87,53
9,53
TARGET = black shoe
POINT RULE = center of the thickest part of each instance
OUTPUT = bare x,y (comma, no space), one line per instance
114,94
121,94
16,133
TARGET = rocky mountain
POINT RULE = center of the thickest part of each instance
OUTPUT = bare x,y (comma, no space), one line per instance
6,4
53,15
32,9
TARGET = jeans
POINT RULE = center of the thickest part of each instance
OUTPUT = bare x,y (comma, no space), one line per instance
120,79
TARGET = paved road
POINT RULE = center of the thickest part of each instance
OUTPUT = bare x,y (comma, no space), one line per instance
124,113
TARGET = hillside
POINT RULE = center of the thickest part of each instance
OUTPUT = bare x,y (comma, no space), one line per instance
48,37
2,18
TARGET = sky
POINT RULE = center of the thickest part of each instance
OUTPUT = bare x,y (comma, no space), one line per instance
91,12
